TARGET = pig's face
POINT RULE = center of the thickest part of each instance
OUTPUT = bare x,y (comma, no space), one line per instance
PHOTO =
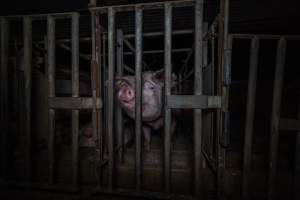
152,89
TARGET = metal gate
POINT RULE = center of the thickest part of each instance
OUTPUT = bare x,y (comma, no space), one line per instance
199,102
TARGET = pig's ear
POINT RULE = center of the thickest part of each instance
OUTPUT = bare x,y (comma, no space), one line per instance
159,75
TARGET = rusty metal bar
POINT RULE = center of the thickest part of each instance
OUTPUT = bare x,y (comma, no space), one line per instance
152,5
138,95
4,95
254,52
111,68
119,116
275,117
51,82
28,80
198,91
75,93
97,93
168,80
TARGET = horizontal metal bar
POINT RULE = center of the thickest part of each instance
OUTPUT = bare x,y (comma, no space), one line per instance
141,194
289,124
42,16
73,103
161,33
160,51
194,101
264,36
39,186
152,5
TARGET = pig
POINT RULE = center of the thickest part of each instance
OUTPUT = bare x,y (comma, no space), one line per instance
152,100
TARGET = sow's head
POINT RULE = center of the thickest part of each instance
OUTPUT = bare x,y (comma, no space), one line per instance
152,94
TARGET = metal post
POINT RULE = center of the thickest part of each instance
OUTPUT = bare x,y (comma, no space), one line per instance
275,118
198,91
138,94
110,116
4,95
168,80
119,116
75,93
51,82
250,116
28,80
297,158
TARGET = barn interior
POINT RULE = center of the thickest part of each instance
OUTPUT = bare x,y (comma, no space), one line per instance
63,131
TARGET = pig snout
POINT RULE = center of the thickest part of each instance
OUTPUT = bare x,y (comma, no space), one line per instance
126,94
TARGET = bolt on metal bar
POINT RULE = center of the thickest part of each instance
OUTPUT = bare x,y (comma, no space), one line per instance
198,91
75,93
51,82
254,52
119,116
28,80
168,117
138,95
275,117
4,27
111,68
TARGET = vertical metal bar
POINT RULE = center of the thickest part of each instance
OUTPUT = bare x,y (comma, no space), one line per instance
4,95
250,115
198,91
168,71
297,159
138,95
111,68
213,67
51,82
119,116
275,117
28,80
75,93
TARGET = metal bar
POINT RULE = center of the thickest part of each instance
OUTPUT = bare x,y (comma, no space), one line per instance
275,117
98,94
161,51
193,101
42,16
138,95
128,193
161,33
250,116
4,95
168,117
76,103
264,36
75,94
28,80
51,82
198,91
111,68
64,46
152,5
119,116
297,157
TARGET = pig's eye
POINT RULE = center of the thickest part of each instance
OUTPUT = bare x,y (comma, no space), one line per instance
149,86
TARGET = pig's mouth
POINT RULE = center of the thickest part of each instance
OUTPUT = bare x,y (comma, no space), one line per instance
131,104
